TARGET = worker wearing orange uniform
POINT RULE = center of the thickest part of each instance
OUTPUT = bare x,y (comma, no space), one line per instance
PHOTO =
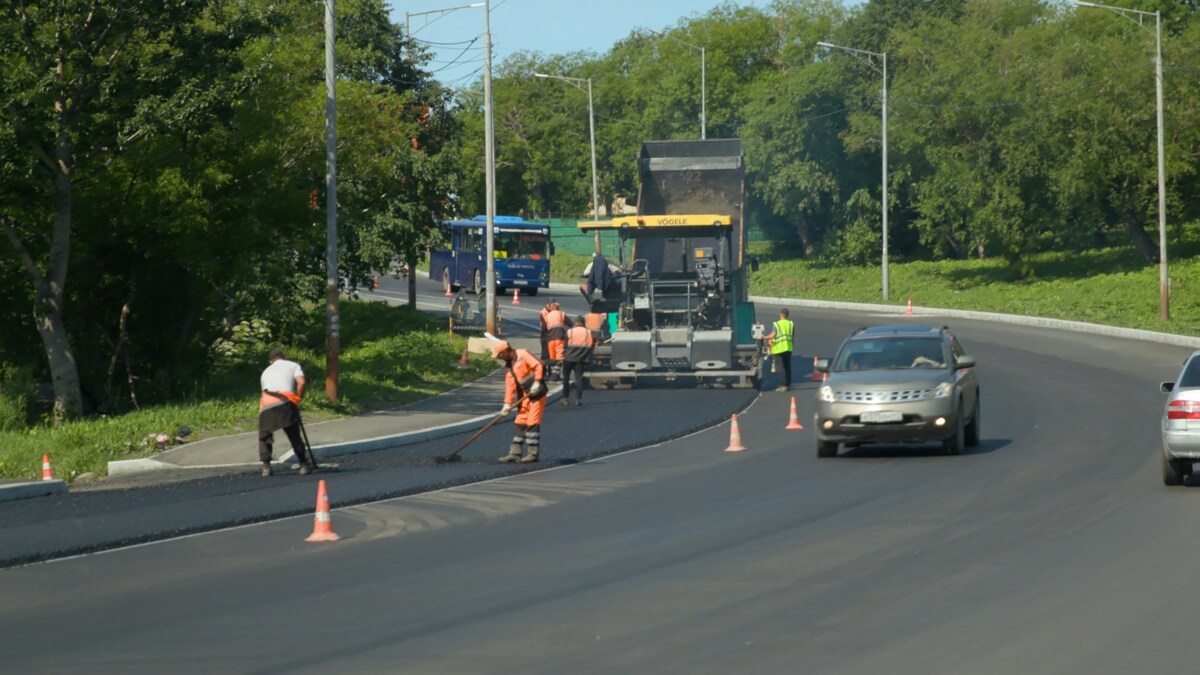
524,388
578,353
554,323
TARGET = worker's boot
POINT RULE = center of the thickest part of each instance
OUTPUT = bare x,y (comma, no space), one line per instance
266,469
532,456
514,454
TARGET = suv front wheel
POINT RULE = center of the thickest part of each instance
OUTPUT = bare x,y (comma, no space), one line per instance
826,448
954,445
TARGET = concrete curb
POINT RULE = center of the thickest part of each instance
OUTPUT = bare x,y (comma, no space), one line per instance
127,466
24,490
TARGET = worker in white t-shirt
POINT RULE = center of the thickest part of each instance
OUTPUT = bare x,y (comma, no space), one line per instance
282,385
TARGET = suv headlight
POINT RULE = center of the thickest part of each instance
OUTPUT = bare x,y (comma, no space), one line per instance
944,390
825,394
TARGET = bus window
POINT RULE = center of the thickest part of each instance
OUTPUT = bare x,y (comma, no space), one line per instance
527,246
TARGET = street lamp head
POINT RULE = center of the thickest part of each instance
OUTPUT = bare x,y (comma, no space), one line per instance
540,75
824,44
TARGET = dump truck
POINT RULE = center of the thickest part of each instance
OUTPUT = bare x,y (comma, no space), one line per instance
681,296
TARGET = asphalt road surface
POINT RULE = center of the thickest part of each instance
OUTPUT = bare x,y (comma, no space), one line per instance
1052,547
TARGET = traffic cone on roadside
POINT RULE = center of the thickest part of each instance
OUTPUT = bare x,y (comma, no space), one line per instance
793,421
322,525
375,282
909,312
516,298
735,437
464,362
448,294
47,472
816,376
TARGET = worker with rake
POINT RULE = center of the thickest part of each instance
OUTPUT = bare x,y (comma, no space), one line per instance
524,389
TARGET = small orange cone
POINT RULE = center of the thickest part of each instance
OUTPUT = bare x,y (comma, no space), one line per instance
375,282
793,421
448,294
909,311
464,362
322,525
47,472
516,299
816,376
735,437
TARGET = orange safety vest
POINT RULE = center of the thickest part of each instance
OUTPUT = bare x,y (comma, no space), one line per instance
555,318
523,366
579,336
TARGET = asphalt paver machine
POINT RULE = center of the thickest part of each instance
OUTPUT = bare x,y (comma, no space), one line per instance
682,306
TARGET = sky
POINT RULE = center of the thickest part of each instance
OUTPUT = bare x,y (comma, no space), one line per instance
546,26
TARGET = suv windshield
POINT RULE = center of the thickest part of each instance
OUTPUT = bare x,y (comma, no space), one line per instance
891,353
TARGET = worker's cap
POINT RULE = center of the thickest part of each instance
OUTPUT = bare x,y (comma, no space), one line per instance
499,348
275,354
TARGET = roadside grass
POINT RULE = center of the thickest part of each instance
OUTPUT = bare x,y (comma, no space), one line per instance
1111,286
390,356
1108,287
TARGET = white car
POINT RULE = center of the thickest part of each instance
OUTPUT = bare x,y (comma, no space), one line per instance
1181,422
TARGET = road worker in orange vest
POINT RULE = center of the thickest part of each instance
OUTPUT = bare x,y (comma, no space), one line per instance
282,384
554,325
578,353
524,389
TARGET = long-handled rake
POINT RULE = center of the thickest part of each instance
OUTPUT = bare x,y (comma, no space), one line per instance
453,457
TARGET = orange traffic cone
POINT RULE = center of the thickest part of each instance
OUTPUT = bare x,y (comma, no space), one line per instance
464,362
516,298
735,437
322,525
793,421
448,294
816,376
909,311
375,282
47,472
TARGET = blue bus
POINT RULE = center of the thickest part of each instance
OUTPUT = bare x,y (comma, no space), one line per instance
522,255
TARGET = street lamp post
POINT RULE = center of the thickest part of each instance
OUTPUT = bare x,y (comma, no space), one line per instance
883,71
703,79
332,311
578,84
1164,280
489,155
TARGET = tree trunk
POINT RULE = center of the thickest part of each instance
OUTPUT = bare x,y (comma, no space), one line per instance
1141,241
48,306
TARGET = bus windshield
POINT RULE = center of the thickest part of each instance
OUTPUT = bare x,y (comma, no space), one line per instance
521,245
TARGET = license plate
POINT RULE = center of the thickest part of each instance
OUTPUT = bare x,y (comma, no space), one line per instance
641,302
881,417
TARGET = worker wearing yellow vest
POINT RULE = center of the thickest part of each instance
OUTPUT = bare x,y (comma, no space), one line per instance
782,339
282,384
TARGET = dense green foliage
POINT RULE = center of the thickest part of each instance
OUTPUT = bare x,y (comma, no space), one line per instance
162,162
1015,126
392,356
163,175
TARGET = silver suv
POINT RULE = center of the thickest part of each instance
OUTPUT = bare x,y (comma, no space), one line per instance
898,384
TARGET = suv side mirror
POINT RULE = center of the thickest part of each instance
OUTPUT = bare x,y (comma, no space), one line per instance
964,362
1166,387
753,263
551,248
